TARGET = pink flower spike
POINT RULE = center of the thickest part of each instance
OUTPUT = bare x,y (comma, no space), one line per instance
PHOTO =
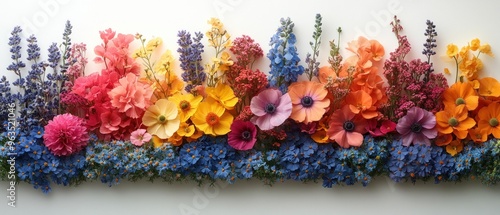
139,137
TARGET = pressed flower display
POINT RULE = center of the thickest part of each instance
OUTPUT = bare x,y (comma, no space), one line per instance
206,112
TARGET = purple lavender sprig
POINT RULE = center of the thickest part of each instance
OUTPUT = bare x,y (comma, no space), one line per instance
190,57
429,45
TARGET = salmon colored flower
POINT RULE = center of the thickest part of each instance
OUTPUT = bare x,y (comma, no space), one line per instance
489,120
361,102
417,127
223,94
212,118
186,104
162,119
131,96
454,120
489,87
461,94
454,147
346,128
309,101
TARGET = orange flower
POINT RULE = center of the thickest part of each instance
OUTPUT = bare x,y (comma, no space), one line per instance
455,147
461,94
308,101
489,87
471,67
443,139
454,120
361,102
489,118
477,136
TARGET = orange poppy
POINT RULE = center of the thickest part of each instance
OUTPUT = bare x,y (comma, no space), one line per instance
489,87
454,120
443,139
309,101
461,94
455,147
489,119
360,102
477,136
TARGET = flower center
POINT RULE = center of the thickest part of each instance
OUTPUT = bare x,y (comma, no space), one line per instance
493,122
453,122
246,135
460,101
162,118
416,128
184,105
348,126
270,108
307,101
212,119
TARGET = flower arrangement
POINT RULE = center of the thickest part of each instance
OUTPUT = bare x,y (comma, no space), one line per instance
344,121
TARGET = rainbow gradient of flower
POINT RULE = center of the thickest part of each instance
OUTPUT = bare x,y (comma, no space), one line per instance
344,121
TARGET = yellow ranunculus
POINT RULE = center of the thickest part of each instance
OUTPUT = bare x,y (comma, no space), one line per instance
186,104
452,50
162,119
223,94
212,119
475,44
486,48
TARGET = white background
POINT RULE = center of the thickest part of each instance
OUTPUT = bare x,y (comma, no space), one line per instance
457,22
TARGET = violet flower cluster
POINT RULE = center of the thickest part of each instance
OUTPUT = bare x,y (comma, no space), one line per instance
190,57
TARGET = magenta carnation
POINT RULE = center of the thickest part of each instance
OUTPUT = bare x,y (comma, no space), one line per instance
242,136
270,108
417,127
65,134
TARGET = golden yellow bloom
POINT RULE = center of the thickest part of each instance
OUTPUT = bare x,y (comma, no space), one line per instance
486,48
452,50
475,44
464,52
158,142
215,23
223,94
471,67
186,104
186,130
212,118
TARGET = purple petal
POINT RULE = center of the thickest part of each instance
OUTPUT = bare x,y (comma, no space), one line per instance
257,106
429,133
263,122
428,121
408,139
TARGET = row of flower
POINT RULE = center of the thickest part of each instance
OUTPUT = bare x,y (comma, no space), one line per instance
356,117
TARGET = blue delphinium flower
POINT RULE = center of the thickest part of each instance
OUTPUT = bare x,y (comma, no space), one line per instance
190,51
284,58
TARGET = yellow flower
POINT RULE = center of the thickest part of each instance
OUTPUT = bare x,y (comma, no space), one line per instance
447,71
139,53
215,23
486,48
186,130
158,142
153,44
225,62
470,68
452,50
464,52
223,94
212,119
475,44
162,119
186,104
165,63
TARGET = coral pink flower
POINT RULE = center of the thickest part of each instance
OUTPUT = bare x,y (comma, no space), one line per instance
110,122
308,100
130,96
271,108
65,134
242,136
346,128
139,137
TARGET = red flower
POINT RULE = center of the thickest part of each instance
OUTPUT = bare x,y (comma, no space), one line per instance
65,134
243,135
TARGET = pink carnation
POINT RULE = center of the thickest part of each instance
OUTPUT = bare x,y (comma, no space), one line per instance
139,137
131,96
65,134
